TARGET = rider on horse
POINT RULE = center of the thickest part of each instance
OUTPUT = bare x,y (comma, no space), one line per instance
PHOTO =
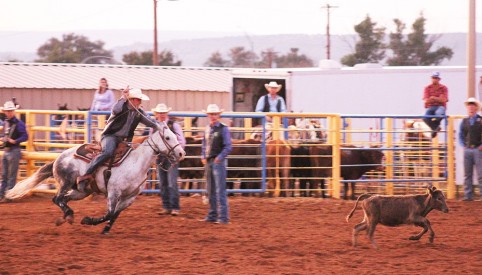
125,116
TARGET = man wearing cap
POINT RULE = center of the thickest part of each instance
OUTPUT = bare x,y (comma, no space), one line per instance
168,179
215,148
14,132
435,97
470,137
271,102
125,116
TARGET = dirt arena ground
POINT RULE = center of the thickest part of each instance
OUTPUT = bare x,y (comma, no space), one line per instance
266,236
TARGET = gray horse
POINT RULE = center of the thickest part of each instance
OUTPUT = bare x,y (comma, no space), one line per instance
124,184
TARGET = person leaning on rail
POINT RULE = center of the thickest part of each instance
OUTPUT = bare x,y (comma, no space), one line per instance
168,178
470,137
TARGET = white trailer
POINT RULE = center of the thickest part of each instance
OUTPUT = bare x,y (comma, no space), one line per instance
365,89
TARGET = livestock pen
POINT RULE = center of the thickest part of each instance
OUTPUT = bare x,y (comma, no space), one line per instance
270,163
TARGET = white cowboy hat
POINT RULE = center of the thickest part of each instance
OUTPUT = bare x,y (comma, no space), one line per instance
273,84
213,109
161,108
137,93
9,106
472,100
435,75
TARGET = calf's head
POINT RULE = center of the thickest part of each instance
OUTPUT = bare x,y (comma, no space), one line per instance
438,200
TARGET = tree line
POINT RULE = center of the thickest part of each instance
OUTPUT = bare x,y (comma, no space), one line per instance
413,49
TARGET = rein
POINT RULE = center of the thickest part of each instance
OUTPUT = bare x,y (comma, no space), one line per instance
158,152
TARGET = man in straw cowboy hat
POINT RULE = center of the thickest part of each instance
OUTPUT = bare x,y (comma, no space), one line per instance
126,114
435,97
271,102
470,137
215,148
168,179
14,132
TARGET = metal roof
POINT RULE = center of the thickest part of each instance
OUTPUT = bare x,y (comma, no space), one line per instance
86,76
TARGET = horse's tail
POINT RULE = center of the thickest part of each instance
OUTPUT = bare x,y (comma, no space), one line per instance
23,187
363,196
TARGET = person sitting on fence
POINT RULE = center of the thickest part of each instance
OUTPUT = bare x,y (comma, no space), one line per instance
435,97
125,116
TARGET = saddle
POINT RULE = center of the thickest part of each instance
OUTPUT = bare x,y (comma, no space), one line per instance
87,152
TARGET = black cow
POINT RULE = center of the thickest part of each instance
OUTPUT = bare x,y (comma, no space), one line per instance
398,210
244,161
191,168
355,162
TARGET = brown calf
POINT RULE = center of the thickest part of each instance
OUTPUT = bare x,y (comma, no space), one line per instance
398,210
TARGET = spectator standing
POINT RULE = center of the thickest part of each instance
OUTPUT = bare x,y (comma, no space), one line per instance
215,148
168,179
435,97
470,137
14,132
271,102
103,97
125,116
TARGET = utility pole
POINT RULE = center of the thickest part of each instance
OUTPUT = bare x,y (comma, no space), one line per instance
155,56
328,46
471,52
270,54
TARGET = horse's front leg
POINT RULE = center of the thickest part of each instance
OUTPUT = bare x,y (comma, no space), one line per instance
95,221
110,223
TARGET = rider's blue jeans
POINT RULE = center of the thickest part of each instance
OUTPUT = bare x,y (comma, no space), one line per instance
109,144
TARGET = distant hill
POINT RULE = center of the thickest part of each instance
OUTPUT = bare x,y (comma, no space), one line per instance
193,50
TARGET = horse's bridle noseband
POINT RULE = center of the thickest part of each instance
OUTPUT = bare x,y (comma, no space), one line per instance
170,150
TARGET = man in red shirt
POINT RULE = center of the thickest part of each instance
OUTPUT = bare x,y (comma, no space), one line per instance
436,97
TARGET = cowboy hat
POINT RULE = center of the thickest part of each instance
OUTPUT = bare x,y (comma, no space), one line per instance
9,106
472,100
436,75
161,108
137,93
213,109
273,84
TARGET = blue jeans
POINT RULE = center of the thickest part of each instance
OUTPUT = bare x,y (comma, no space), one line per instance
109,144
169,188
434,123
472,158
216,187
10,161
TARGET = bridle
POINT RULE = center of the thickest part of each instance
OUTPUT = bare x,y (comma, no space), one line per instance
169,156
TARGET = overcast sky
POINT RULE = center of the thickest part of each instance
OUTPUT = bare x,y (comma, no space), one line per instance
243,16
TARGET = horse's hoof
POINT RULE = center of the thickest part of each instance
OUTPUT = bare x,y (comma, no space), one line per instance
59,221
86,220
69,219
414,238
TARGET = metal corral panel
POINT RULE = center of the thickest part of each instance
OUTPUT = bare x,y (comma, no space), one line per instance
86,76
49,99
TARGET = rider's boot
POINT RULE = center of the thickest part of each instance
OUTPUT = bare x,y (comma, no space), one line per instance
83,181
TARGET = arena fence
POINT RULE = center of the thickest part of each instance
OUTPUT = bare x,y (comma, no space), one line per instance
262,160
